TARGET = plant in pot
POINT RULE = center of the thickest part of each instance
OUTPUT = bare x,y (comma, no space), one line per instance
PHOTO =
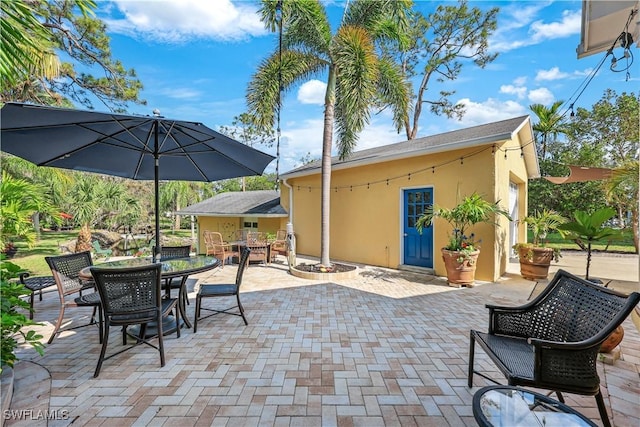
535,258
462,251
585,230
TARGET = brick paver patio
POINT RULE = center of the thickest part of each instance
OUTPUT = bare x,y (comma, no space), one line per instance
387,348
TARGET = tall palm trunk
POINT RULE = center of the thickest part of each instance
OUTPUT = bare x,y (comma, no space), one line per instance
327,139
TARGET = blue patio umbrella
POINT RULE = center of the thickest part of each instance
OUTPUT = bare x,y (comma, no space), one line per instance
129,146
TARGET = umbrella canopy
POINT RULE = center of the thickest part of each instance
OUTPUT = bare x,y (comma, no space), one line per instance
128,146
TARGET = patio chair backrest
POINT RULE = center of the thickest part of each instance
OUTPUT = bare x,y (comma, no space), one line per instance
66,270
571,309
212,238
255,237
125,291
244,261
170,252
241,235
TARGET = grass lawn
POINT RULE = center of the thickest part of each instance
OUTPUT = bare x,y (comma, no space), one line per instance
32,259
625,245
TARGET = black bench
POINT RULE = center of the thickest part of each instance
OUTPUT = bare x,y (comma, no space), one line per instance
36,284
553,341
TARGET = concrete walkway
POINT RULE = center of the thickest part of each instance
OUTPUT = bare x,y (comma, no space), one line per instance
386,348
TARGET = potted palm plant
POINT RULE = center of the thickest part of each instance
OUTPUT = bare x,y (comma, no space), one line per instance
462,250
535,258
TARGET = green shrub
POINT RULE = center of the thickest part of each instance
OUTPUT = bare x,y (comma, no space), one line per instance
13,318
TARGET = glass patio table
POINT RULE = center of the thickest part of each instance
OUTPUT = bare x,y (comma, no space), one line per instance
510,406
171,268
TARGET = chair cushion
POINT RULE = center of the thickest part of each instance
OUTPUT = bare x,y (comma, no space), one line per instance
217,289
88,299
167,305
515,354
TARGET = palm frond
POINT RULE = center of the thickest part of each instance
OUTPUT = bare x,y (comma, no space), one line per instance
263,90
356,63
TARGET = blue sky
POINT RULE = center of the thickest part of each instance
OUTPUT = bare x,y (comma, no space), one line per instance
195,59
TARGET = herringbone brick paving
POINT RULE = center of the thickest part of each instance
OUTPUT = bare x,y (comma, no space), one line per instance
387,348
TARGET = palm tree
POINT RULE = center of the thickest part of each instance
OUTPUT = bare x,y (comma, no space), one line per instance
357,76
174,195
87,196
20,199
550,124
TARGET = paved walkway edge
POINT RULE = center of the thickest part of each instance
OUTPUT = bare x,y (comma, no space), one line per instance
31,394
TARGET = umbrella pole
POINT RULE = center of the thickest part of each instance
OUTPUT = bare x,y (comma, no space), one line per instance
156,249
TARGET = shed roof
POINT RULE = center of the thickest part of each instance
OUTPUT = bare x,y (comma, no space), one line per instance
463,138
261,203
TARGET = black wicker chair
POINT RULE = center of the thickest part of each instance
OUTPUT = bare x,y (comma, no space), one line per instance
132,296
66,270
552,342
223,290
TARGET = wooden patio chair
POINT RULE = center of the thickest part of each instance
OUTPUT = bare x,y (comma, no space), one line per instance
223,290
553,341
132,296
216,246
280,245
257,242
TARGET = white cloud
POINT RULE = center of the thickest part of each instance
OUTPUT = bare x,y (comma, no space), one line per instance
541,96
568,26
520,81
551,74
519,91
508,38
312,92
182,93
184,20
491,110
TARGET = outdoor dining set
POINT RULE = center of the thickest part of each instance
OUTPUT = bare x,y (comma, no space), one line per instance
262,248
135,294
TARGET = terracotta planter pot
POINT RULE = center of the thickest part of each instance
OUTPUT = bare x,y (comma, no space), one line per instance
612,340
536,267
461,267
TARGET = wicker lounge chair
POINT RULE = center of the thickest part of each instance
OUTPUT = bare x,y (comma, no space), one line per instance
552,342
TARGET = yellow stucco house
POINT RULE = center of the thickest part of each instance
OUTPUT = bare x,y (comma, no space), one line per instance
377,195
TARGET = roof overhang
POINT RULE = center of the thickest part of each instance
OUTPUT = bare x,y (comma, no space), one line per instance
603,22
232,215
524,131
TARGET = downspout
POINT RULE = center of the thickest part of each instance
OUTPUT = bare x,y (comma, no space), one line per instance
284,181
291,237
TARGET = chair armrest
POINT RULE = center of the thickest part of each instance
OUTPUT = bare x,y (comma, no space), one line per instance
510,321
563,345
559,363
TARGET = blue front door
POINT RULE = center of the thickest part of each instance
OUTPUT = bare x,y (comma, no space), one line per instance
418,248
